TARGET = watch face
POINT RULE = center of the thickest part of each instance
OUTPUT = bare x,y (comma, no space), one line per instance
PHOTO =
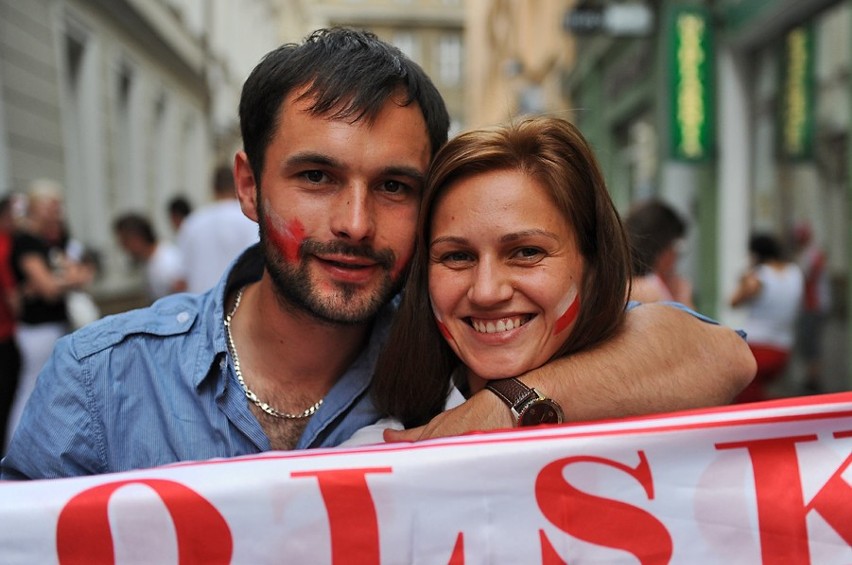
541,412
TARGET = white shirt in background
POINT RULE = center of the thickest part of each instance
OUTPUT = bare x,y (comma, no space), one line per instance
773,311
163,269
210,239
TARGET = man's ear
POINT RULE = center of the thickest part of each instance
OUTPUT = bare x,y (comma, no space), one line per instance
246,185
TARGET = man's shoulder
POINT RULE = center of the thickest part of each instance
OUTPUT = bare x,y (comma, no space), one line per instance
173,315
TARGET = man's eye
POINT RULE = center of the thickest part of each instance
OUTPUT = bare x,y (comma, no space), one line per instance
394,187
314,176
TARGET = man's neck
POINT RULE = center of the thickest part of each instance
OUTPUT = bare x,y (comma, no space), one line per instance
287,352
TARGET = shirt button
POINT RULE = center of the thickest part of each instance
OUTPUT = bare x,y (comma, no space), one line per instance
182,317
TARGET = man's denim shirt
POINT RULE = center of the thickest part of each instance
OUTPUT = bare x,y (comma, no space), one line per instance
156,386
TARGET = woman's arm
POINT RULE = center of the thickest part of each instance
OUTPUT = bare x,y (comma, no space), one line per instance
42,281
749,287
663,359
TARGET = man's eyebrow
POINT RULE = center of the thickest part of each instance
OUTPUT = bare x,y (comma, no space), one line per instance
311,158
403,171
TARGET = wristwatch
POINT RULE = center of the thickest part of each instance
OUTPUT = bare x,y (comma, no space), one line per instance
529,406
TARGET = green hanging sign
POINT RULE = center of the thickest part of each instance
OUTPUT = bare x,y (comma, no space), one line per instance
797,95
691,83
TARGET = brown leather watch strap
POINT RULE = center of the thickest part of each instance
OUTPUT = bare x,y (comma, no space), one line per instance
511,391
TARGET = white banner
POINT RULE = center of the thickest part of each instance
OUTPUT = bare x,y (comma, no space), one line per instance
766,483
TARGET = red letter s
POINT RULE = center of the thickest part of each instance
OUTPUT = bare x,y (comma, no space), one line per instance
603,521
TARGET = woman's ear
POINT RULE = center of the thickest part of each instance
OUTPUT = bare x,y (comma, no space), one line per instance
246,185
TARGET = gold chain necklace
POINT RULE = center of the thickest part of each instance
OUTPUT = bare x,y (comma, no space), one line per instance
249,394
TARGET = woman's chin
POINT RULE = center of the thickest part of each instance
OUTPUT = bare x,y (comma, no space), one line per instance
496,371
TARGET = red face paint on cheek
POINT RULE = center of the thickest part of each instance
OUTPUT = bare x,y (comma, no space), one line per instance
444,331
288,239
569,316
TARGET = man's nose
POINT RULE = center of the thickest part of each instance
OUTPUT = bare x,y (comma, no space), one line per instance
353,217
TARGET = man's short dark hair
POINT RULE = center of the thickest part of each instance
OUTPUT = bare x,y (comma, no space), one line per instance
135,224
349,74
652,226
766,247
179,205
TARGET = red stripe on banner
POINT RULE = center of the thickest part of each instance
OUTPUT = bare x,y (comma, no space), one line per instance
619,427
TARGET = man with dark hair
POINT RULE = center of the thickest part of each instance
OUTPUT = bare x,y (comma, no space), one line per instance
338,134
162,260
655,229
178,209
214,235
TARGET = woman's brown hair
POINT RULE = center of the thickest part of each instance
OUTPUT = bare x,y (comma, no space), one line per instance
413,373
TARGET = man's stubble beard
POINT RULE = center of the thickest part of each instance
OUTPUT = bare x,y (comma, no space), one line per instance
295,289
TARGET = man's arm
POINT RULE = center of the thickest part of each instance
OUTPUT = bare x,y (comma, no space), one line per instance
57,436
663,359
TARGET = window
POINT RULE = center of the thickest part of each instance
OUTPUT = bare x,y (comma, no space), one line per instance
450,59
407,43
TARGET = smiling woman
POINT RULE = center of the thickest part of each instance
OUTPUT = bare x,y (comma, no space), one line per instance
520,258
502,282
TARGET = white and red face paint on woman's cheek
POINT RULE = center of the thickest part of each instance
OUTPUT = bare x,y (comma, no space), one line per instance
442,327
287,236
569,311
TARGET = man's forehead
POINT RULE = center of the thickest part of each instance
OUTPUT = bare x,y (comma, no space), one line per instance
300,103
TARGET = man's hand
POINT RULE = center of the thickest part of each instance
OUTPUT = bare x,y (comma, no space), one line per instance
662,360
482,411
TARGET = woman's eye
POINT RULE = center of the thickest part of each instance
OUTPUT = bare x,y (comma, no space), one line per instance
529,253
455,258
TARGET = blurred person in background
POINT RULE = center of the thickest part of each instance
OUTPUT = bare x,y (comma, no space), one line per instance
655,231
10,355
178,209
164,272
816,305
772,290
214,235
45,276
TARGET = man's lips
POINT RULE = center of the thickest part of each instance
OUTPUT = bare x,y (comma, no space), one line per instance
347,262
351,270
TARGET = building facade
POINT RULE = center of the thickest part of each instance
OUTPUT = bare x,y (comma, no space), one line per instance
517,53
430,32
126,103
737,112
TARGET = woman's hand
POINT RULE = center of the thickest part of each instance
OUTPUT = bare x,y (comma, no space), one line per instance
482,411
